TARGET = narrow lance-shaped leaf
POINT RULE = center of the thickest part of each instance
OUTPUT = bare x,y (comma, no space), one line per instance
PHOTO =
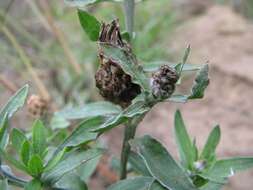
156,186
90,110
17,139
69,163
185,146
54,160
86,170
25,152
211,144
138,164
59,122
154,66
137,183
3,132
161,165
179,67
4,184
39,137
89,24
35,166
200,84
34,184
212,186
15,102
134,110
128,63
13,161
82,3
225,168
71,181
82,134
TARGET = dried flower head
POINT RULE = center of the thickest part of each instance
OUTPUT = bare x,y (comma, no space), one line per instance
163,82
37,106
114,84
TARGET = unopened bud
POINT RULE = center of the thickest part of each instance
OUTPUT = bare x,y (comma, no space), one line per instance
163,82
37,106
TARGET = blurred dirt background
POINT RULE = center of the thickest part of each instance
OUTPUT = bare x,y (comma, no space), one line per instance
223,37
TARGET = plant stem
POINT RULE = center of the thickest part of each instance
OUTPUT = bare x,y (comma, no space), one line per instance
129,134
129,7
130,128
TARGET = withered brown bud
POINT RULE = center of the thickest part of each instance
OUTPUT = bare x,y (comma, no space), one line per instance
113,83
37,106
163,82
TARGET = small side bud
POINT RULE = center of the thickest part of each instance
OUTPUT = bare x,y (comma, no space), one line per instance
200,165
163,82
37,106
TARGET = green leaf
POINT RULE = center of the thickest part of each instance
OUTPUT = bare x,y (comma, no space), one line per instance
200,84
83,133
4,137
25,152
223,169
184,143
211,144
137,183
4,184
134,110
161,165
71,181
126,36
154,66
178,98
138,164
212,186
179,67
54,161
39,136
35,166
128,63
14,103
89,24
13,161
82,3
58,122
17,139
33,185
157,186
90,110
73,160
88,168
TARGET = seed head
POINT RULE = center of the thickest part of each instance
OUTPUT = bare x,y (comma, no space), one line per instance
113,83
163,82
37,106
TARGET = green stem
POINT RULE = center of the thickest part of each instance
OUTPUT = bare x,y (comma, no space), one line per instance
130,128
129,7
129,134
